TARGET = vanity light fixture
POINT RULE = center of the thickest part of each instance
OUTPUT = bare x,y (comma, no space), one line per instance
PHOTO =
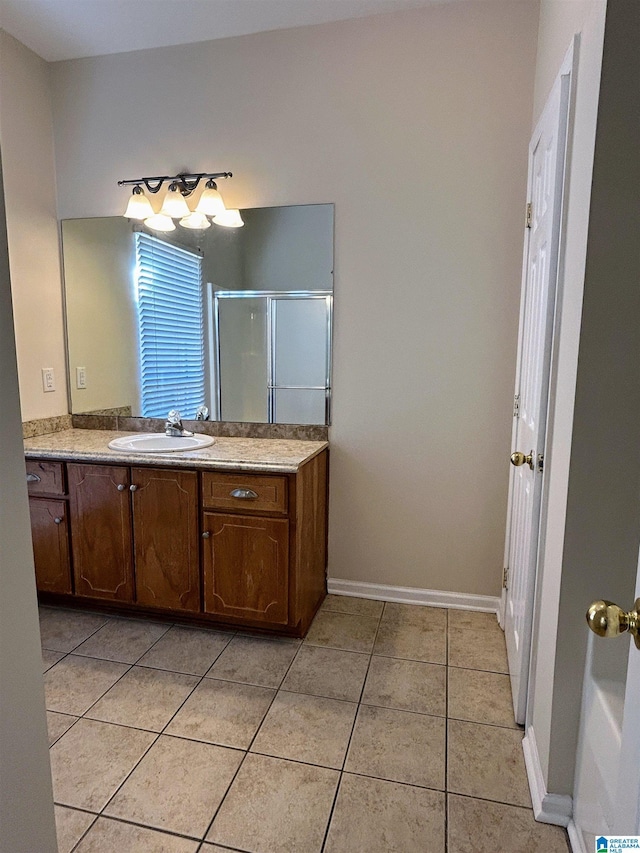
211,203
210,206
160,222
229,218
195,220
139,206
174,204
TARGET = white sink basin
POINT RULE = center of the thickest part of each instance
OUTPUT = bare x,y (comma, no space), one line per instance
157,442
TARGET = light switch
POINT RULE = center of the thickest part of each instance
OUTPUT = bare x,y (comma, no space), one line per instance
48,379
81,377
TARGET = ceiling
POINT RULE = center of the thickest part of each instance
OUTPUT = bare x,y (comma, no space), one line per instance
70,29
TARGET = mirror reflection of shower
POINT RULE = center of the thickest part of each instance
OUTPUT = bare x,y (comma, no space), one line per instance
271,355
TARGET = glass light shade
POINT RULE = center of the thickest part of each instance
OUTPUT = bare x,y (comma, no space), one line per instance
229,218
160,222
211,203
197,221
139,206
174,204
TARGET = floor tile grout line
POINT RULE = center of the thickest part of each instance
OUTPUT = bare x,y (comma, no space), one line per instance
146,752
411,660
86,832
95,702
131,666
355,719
362,775
58,611
128,775
130,822
158,735
106,660
499,802
112,660
67,730
348,613
49,668
246,752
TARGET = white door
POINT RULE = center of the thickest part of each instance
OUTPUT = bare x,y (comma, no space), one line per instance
606,798
540,268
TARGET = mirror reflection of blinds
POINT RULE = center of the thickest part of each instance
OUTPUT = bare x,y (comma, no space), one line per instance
170,322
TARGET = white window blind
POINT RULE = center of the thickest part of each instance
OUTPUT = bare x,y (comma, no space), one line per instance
170,319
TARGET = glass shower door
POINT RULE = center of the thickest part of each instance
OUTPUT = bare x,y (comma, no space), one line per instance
242,341
300,335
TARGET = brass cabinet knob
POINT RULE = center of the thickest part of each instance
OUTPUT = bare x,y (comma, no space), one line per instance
519,458
606,619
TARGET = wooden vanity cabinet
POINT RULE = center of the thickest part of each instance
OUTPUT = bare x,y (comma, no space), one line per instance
128,537
49,525
144,517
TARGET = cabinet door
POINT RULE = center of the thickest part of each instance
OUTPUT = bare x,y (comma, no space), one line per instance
100,508
246,567
165,533
50,544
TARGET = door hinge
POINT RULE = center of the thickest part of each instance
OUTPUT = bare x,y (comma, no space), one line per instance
505,578
516,406
528,216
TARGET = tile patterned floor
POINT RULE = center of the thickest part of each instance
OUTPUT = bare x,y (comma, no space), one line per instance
388,730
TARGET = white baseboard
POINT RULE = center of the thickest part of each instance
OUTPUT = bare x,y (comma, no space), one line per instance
547,808
412,595
576,839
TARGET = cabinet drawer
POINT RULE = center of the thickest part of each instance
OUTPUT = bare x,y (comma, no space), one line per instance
244,492
45,478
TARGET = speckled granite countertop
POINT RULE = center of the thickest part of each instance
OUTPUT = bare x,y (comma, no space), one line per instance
255,454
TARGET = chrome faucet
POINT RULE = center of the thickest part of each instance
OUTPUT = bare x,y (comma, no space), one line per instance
203,413
173,425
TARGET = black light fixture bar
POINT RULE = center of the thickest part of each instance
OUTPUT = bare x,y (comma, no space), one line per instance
185,182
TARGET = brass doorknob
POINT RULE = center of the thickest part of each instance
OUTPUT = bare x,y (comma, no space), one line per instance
606,619
519,458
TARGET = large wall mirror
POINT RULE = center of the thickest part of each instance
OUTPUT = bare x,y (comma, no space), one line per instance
236,320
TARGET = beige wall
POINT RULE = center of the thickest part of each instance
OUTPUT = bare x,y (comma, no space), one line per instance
554,697
416,126
27,146
26,799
